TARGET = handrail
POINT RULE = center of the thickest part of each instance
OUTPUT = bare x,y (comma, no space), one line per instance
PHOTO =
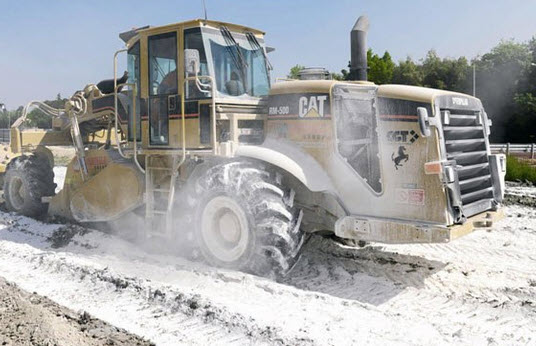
135,127
115,101
183,128
78,143
116,126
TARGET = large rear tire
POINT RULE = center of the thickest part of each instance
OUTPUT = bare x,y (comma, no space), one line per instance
245,219
28,178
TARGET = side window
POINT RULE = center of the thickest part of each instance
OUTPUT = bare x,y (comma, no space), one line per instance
357,137
260,81
194,40
133,67
163,83
163,64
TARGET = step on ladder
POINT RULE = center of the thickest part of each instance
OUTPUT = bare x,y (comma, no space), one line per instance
159,199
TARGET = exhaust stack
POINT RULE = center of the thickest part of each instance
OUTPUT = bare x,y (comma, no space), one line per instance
358,47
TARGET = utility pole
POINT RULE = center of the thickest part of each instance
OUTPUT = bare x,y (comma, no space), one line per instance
474,79
3,110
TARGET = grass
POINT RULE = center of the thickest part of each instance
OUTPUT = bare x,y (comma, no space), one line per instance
519,170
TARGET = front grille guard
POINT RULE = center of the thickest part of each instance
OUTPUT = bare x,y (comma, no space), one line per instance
452,184
468,155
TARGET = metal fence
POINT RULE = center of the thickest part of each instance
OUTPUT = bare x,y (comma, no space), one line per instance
4,135
514,149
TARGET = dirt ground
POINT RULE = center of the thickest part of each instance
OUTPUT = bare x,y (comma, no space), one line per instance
477,290
30,319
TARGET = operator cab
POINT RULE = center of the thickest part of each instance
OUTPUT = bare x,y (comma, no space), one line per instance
221,67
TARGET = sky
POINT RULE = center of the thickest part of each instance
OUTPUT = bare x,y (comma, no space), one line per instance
59,46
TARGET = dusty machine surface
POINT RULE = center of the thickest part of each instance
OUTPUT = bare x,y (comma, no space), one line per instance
197,141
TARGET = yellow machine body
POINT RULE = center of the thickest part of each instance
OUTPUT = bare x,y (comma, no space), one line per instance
382,163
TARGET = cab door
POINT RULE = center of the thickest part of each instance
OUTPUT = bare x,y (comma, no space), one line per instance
163,86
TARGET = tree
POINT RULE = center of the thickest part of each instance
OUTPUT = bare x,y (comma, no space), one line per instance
294,71
340,76
501,75
446,73
37,118
8,117
380,68
521,126
408,72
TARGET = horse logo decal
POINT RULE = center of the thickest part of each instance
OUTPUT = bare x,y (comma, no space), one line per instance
402,156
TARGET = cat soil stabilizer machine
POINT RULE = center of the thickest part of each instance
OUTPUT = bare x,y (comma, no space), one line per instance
196,140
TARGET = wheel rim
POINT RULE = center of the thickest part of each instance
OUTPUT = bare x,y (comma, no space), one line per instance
16,192
224,229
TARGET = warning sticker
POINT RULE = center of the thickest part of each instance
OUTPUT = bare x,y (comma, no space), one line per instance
410,196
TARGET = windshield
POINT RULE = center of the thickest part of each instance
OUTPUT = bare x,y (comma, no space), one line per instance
239,69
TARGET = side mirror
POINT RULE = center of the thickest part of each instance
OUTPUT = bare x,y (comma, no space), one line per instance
192,61
424,124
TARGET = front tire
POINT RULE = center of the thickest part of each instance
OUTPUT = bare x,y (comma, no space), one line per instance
245,219
28,178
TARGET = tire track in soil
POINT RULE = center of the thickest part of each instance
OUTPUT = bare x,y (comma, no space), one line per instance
196,321
450,285
446,295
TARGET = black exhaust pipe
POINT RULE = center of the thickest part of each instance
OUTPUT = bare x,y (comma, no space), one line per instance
358,47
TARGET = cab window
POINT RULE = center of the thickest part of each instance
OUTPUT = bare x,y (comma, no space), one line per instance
163,85
194,40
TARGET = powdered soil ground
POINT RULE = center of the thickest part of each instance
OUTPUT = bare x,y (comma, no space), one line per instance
31,319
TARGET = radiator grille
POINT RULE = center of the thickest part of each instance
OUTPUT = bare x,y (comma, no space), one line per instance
466,143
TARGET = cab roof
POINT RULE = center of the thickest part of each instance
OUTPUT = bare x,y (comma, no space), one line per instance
128,35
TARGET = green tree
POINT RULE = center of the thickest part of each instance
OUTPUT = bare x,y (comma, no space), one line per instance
446,73
380,68
408,72
521,126
433,71
340,76
293,74
8,117
501,76
37,118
